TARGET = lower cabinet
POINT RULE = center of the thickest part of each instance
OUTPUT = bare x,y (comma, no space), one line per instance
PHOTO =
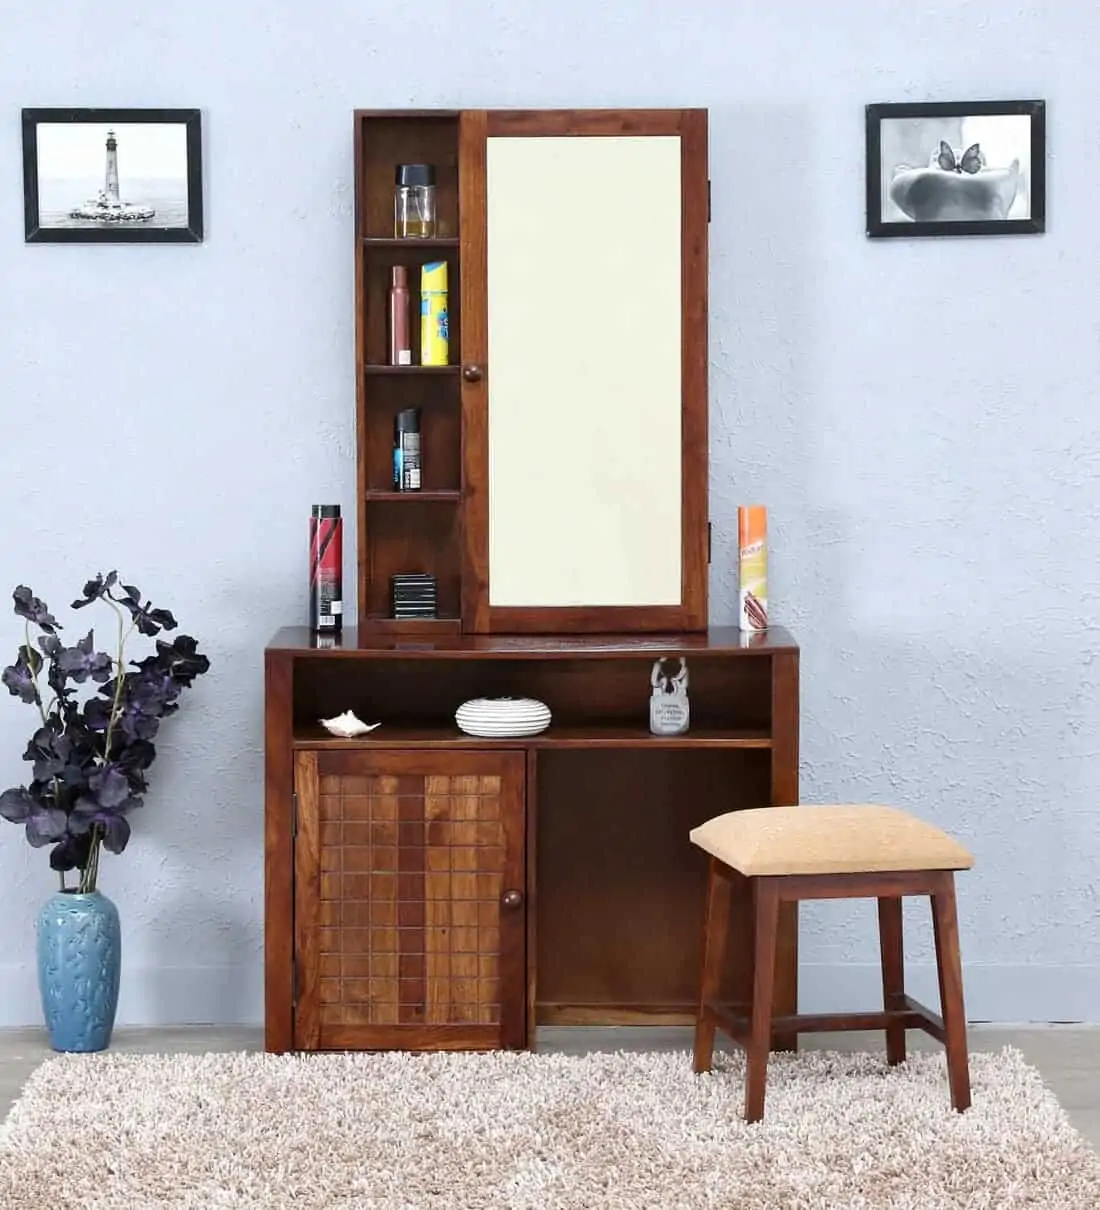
409,910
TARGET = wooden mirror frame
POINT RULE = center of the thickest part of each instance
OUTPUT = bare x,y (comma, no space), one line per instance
690,612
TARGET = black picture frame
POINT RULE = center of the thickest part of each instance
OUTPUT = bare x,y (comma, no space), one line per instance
113,229
926,189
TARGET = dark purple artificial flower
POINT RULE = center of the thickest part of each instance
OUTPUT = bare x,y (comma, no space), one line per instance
111,821
97,714
110,786
28,606
153,688
46,825
50,750
148,620
71,852
139,723
180,659
51,645
19,677
83,661
17,804
95,589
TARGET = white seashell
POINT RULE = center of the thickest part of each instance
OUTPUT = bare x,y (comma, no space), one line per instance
347,726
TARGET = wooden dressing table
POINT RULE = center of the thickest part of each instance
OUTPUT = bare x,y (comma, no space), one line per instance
425,889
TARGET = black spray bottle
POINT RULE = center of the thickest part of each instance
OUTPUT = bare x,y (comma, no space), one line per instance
406,450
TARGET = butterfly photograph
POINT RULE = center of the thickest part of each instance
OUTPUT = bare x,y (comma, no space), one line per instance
942,168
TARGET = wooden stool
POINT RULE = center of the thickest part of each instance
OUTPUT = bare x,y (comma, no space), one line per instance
762,857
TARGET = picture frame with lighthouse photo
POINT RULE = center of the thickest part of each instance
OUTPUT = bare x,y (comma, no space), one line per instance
102,176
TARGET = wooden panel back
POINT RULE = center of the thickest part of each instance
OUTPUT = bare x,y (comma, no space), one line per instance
621,889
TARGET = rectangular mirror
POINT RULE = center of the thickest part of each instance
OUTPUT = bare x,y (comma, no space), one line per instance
583,243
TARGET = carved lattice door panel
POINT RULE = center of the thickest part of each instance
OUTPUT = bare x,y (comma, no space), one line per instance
409,919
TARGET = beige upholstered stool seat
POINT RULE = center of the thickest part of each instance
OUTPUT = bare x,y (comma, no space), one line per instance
828,840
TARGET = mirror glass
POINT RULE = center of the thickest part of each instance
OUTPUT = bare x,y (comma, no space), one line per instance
584,371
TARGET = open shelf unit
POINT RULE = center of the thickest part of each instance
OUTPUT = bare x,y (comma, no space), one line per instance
425,533
555,366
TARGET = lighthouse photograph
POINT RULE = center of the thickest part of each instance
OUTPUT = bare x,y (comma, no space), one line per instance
112,175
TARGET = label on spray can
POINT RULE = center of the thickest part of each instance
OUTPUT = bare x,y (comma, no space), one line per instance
410,462
326,565
752,558
406,450
434,335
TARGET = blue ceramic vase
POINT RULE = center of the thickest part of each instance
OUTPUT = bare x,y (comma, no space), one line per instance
79,964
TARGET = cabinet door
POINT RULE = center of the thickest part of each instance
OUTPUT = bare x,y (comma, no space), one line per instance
409,917
584,350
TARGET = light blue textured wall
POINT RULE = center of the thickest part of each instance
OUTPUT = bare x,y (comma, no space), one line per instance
920,417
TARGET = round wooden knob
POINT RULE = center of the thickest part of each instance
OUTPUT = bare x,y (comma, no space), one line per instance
471,373
511,899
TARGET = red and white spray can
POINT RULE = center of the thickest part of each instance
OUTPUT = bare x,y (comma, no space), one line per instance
326,569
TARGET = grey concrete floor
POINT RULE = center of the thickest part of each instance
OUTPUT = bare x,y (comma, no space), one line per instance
1067,1056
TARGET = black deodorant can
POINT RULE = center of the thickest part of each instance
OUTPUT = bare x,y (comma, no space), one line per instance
406,450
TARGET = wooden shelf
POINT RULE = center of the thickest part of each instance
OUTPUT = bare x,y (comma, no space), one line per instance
595,735
376,241
383,624
443,496
410,371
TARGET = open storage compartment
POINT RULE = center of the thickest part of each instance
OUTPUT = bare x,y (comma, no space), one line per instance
408,531
386,138
591,700
620,890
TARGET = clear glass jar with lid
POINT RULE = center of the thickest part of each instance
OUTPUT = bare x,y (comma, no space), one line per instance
414,202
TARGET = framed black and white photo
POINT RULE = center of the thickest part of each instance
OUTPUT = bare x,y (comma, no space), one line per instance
112,175
942,168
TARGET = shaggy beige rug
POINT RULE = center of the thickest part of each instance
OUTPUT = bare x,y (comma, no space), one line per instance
534,1132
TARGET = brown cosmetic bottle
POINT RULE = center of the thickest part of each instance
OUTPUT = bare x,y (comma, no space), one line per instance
400,324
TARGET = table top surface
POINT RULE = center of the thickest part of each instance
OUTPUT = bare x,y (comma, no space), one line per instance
717,641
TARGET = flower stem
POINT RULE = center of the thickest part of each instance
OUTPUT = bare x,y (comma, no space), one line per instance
45,721
34,675
89,876
119,677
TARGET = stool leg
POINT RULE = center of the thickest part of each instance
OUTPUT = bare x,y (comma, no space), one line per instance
739,942
945,925
715,922
893,973
765,932
786,973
